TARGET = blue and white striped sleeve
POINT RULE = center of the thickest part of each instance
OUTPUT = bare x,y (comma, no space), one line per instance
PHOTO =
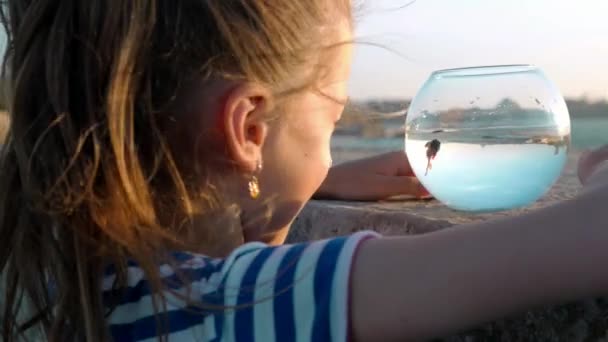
290,293
259,293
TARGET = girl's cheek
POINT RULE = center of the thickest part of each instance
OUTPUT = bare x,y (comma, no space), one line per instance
327,160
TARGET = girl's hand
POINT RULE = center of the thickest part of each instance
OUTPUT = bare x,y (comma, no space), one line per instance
589,164
371,179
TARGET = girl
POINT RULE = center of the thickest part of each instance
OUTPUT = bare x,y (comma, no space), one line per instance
153,142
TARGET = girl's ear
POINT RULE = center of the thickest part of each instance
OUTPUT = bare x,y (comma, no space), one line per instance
244,124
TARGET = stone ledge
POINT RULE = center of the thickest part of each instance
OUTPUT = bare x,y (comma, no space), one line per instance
585,321
325,219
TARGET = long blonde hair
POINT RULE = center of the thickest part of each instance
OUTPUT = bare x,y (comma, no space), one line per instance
87,166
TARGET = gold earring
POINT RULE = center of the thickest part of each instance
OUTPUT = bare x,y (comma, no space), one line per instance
254,187
254,184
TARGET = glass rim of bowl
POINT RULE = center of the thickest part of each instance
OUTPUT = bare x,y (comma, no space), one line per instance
485,70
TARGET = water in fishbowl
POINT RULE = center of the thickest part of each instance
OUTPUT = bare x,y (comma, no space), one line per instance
486,166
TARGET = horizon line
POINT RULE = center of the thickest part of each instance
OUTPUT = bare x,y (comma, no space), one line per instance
590,100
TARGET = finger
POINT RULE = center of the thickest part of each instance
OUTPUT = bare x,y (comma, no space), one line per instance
415,188
424,193
401,165
404,185
589,161
405,171
584,166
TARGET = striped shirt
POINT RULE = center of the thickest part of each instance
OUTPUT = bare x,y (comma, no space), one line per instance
258,293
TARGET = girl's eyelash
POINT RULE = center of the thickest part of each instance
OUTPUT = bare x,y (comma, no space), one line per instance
331,98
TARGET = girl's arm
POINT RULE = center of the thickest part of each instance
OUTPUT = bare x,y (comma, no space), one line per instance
431,285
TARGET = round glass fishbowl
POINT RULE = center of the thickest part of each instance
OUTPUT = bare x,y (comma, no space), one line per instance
488,138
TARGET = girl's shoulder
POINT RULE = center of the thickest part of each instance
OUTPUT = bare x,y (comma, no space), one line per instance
201,293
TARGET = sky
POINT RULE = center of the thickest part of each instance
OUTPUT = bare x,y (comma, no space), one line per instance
568,39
